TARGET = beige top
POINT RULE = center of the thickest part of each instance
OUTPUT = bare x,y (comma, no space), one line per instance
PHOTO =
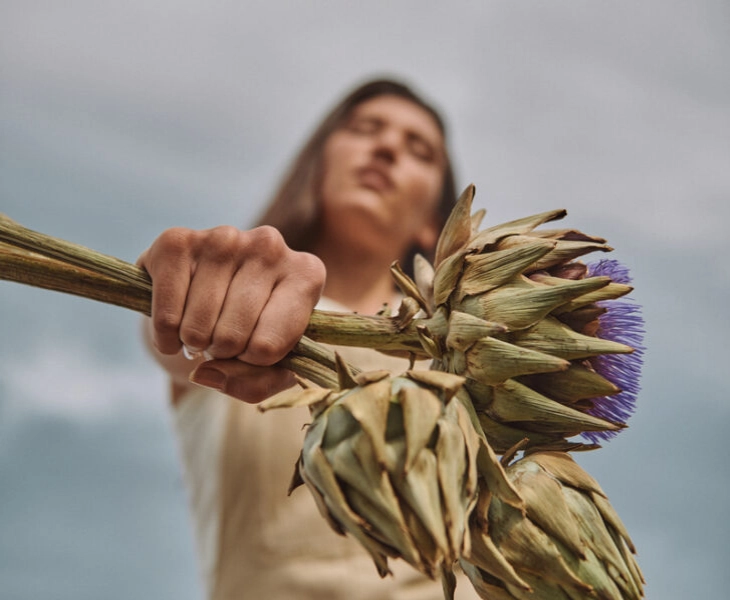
256,542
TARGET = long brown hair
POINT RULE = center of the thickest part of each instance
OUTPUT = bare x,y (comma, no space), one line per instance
294,209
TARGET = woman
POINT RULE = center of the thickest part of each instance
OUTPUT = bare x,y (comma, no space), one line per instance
372,185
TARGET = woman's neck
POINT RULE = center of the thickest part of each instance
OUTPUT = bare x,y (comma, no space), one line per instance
361,284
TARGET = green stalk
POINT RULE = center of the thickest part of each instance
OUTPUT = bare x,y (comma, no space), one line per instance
40,260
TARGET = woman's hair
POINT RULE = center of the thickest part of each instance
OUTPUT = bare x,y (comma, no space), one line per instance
294,209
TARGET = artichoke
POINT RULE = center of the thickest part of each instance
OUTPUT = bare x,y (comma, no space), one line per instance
511,310
567,544
392,461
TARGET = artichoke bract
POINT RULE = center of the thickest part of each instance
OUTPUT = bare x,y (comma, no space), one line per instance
392,461
568,542
511,309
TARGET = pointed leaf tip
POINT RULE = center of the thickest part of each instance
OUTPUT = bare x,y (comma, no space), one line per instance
458,228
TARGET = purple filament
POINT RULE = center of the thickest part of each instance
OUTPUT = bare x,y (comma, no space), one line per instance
622,322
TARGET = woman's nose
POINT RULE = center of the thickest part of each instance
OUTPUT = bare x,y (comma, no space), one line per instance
387,144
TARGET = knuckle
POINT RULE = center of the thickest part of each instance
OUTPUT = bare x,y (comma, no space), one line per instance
225,233
266,350
268,244
176,240
165,326
222,242
167,346
166,322
227,343
194,336
311,269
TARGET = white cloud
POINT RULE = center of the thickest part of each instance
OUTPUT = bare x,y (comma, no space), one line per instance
70,382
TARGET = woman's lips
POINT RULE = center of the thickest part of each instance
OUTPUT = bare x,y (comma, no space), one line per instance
375,179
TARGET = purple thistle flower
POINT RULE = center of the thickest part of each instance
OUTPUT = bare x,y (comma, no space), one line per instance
622,322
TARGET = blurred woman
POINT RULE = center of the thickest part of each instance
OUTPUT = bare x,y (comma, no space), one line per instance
372,185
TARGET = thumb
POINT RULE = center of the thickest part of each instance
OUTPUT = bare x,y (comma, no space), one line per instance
243,381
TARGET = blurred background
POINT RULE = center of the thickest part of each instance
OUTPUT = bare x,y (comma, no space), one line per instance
120,119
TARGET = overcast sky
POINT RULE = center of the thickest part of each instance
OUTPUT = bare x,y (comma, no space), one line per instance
119,119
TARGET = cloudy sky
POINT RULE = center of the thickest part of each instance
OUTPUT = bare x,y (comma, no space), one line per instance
118,120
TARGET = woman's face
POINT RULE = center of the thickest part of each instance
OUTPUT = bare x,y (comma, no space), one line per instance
383,172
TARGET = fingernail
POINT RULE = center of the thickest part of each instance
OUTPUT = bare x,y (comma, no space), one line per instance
191,353
209,377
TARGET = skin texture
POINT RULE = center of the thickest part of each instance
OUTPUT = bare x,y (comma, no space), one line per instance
243,298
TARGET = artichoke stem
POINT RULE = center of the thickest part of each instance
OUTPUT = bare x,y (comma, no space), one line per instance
43,261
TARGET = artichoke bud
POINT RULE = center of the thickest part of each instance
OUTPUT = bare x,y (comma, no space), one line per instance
567,542
392,461
510,309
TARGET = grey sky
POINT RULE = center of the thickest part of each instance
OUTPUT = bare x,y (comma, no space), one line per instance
120,119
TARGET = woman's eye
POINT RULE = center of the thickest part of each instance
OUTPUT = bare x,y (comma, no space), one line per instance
421,149
364,126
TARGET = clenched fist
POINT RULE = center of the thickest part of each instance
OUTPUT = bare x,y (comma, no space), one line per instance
242,299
